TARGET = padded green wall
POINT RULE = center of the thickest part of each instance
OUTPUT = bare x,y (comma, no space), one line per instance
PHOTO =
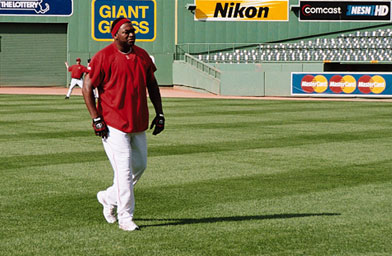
80,43
262,79
33,54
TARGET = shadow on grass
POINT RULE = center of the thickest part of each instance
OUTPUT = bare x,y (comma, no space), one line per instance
175,222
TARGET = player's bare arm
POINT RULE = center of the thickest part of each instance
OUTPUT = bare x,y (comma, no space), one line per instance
155,97
88,96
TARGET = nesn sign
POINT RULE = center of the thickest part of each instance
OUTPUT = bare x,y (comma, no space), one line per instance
142,13
367,10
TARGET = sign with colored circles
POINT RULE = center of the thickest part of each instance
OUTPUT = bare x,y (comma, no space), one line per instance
341,84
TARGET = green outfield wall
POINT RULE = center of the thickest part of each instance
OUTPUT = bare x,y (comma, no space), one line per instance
176,33
78,42
262,79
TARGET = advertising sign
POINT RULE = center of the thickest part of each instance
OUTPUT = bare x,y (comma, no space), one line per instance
341,84
36,7
345,11
242,10
142,13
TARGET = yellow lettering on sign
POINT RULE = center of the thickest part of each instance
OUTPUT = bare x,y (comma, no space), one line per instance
121,12
104,26
113,11
144,8
242,10
135,25
108,12
132,12
104,11
143,27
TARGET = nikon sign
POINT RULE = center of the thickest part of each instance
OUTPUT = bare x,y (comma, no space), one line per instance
242,10
345,10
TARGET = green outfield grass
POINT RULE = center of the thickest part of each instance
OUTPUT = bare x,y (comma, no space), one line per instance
226,177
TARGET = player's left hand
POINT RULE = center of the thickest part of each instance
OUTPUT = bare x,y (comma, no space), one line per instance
159,123
100,127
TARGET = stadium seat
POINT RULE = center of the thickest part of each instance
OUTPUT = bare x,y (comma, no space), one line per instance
358,46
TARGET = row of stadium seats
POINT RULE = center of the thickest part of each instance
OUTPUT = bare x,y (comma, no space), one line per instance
375,33
359,46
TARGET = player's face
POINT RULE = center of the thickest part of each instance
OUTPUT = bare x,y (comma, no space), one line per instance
126,34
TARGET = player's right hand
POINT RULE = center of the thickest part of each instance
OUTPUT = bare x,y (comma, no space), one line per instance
100,127
159,123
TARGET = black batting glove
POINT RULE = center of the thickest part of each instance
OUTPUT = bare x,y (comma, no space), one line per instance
100,127
159,123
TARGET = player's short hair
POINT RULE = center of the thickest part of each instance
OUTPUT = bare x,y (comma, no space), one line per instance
114,23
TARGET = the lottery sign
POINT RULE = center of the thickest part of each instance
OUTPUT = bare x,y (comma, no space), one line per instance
36,7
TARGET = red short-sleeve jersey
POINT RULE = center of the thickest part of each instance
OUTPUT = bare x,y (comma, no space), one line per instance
122,81
77,71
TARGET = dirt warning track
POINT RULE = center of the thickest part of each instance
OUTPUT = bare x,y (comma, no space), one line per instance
174,92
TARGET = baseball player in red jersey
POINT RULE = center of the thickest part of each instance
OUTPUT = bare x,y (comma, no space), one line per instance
123,73
77,72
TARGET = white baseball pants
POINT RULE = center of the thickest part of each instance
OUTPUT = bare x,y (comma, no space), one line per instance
127,153
74,82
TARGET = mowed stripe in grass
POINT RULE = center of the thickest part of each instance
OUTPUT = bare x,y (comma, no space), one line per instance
227,177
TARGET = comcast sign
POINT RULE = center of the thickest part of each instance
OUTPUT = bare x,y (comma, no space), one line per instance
333,11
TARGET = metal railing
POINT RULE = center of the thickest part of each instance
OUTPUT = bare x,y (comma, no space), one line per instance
206,68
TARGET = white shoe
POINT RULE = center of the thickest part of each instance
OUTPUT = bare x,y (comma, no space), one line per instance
128,226
108,210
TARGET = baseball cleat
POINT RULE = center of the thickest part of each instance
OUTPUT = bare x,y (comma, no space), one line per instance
108,210
128,226
66,97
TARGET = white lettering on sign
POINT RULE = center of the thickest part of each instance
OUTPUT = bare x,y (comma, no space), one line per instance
35,5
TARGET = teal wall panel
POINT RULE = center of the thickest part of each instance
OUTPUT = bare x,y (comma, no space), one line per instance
241,79
33,54
81,44
277,87
207,35
242,83
313,67
164,72
278,75
186,75
263,79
